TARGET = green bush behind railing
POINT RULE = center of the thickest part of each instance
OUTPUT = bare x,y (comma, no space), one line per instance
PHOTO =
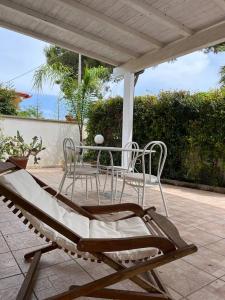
191,125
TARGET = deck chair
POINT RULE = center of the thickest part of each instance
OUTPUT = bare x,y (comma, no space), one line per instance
143,237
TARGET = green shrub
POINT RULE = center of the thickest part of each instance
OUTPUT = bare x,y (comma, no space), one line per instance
7,100
191,125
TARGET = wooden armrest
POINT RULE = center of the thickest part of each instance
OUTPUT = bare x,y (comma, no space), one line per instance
105,209
167,227
120,244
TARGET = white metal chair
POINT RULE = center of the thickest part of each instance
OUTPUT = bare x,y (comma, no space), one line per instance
130,156
140,180
76,169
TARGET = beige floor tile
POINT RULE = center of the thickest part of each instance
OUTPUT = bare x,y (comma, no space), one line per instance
213,291
183,277
8,265
208,261
14,226
3,246
48,259
7,216
199,237
22,240
213,228
9,294
217,247
11,282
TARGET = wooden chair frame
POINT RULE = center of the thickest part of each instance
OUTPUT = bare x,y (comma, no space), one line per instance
164,236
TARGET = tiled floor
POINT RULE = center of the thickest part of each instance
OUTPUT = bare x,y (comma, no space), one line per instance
199,215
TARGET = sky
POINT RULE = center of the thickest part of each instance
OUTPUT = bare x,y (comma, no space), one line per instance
20,54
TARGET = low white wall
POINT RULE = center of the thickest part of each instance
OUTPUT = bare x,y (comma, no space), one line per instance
52,133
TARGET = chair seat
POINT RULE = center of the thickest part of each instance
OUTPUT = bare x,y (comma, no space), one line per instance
115,168
139,177
83,171
24,185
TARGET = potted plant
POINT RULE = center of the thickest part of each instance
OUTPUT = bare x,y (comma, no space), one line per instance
19,152
70,118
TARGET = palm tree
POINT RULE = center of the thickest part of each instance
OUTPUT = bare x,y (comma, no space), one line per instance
77,96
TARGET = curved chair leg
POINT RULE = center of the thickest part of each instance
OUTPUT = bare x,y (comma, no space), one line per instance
97,188
143,196
73,185
106,177
66,190
116,185
122,191
62,182
86,188
138,191
91,183
112,186
164,201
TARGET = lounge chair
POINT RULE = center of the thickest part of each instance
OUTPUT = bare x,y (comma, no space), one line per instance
144,237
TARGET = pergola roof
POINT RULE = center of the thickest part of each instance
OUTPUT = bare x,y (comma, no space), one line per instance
129,34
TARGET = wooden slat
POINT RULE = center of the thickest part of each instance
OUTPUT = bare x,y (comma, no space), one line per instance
123,294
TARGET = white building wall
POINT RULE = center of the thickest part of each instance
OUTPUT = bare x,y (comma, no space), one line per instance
52,133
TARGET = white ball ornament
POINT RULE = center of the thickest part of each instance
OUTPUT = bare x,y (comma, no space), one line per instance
99,139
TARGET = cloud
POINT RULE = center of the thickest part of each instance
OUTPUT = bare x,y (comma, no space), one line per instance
195,72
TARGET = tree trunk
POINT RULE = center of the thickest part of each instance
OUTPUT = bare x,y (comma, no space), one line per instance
81,134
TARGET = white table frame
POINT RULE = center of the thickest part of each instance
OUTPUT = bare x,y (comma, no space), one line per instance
110,150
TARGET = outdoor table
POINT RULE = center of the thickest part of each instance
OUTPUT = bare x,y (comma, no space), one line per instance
110,150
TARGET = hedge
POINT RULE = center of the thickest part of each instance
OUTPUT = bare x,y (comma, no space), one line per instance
191,125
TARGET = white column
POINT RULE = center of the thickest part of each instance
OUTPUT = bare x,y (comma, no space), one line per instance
128,106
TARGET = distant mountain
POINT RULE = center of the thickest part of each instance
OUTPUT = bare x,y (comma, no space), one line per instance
49,105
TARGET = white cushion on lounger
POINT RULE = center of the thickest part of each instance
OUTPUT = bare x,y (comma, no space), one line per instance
22,183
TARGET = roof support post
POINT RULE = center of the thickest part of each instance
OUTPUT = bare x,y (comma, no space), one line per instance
128,106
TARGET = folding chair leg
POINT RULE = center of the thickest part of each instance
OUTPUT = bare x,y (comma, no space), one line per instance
26,288
123,294
45,249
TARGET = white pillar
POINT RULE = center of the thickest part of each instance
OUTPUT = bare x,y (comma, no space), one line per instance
128,106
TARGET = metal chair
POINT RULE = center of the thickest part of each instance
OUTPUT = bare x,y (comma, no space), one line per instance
76,169
140,180
130,157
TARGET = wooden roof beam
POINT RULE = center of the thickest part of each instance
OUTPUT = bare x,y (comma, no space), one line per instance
100,17
204,38
60,43
68,27
152,13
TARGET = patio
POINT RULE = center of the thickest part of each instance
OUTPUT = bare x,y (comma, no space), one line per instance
199,215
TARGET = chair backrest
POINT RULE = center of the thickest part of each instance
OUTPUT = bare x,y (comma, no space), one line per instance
35,199
131,156
69,152
154,150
